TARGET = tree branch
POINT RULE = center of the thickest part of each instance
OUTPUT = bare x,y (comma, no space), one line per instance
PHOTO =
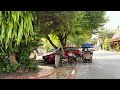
51,42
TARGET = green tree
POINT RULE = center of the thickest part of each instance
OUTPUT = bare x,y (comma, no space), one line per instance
17,39
94,20
68,23
78,39
105,36
15,26
56,23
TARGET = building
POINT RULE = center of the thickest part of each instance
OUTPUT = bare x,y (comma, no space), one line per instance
115,40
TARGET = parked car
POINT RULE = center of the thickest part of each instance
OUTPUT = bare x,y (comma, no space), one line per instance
49,57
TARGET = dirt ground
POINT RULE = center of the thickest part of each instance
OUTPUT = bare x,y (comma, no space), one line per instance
63,72
15,74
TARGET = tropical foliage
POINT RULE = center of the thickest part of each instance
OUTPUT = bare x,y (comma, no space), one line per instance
17,39
14,26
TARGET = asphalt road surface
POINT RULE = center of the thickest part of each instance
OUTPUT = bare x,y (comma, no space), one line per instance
106,65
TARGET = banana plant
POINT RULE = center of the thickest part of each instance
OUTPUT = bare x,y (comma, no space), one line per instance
15,26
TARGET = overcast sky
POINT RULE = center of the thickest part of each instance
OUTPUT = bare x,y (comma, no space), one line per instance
114,19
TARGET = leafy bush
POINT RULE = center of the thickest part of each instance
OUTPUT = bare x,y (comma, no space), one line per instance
31,65
10,68
17,41
22,53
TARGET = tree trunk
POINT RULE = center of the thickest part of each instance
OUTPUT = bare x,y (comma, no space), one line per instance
62,39
12,58
62,50
51,42
65,39
60,36
62,43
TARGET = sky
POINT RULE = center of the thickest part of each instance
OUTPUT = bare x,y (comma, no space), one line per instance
114,19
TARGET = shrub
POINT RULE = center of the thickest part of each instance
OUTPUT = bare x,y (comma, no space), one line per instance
22,53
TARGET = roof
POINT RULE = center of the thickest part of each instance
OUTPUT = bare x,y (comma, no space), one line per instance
116,36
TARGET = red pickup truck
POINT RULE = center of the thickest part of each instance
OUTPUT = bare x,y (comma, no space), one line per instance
49,57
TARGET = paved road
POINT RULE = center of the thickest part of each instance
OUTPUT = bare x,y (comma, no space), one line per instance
106,65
